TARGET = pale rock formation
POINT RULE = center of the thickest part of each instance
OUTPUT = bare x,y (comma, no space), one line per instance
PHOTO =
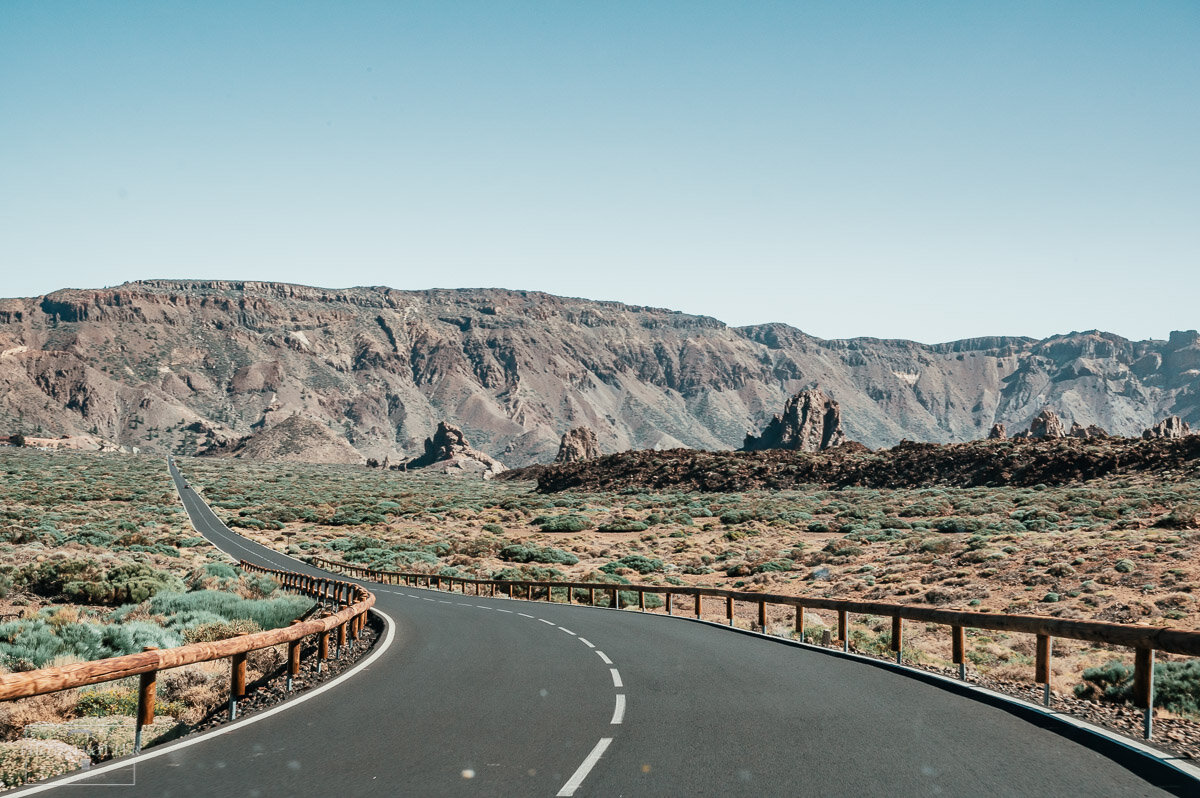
1170,427
1046,424
1090,431
449,452
578,444
811,422
998,432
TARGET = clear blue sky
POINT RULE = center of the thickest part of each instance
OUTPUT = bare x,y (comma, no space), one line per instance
925,170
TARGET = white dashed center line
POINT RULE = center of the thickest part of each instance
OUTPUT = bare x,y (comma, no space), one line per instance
577,779
604,657
543,620
616,677
565,629
587,642
618,710
523,615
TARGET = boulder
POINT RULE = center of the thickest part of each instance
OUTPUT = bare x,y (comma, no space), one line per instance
449,452
577,445
810,422
998,432
1170,427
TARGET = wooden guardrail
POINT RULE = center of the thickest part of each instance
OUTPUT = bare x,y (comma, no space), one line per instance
351,602
1144,640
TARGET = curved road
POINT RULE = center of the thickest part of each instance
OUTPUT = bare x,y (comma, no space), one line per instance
496,697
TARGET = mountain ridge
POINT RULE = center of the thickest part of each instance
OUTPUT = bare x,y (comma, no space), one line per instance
176,365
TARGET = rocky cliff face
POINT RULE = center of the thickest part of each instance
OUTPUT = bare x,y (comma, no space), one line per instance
811,422
179,365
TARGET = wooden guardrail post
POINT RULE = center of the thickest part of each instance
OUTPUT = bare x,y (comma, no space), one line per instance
322,650
341,638
1042,666
669,611
592,596
800,622
762,615
1143,687
615,601
843,631
528,592
642,600
237,682
697,605
147,685
293,669
729,609
959,652
897,637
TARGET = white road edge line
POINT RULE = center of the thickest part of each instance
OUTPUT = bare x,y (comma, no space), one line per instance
604,657
618,710
576,780
242,723
587,642
616,674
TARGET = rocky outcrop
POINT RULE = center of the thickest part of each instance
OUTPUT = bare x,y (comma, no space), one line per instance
578,444
1019,463
811,422
297,439
448,451
1170,427
1090,431
998,432
1046,424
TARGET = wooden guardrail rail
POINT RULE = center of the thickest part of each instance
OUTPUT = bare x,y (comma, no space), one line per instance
1144,640
350,600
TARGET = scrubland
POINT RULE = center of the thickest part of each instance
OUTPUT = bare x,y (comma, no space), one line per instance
99,560
100,540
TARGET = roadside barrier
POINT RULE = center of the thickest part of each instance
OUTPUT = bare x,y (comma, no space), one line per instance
351,602
1144,640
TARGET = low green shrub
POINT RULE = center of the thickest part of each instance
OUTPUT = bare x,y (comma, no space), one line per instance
563,523
622,525
544,554
635,562
1176,685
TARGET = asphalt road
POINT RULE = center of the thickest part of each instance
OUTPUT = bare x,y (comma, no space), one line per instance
497,697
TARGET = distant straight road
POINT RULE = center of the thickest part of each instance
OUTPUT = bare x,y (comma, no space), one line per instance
495,697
